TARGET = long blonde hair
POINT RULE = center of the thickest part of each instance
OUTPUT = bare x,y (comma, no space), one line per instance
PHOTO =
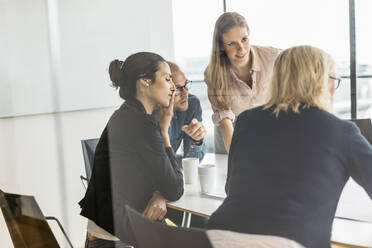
300,78
217,71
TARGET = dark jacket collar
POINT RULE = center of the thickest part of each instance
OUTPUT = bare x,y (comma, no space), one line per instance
138,106
133,102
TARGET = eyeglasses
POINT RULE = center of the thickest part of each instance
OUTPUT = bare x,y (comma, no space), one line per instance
336,79
180,89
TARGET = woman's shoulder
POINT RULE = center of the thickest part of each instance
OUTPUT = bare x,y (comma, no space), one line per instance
253,113
266,49
266,53
128,115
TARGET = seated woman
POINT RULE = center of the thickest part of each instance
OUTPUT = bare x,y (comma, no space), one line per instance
134,163
290,159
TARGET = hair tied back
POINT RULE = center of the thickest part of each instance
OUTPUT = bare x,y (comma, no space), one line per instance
121,64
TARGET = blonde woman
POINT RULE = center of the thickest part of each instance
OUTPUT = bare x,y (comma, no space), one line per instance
237,75
290,159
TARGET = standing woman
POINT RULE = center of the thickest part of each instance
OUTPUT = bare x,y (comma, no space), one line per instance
134,163
237,75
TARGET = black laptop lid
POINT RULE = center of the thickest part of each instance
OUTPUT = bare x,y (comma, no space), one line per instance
365,127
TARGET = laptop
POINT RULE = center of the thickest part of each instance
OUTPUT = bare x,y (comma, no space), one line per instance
365,127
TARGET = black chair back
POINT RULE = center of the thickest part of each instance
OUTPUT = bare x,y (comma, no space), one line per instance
154,234
89,147
365,127
26,223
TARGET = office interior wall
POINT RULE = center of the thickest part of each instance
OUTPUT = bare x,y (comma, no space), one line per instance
91,34
30,141
28,164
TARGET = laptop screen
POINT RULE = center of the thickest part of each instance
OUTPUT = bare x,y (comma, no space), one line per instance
365,127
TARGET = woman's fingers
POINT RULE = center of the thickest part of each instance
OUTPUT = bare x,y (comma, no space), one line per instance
156,208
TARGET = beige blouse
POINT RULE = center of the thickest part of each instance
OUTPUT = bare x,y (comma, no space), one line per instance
222,239
244,97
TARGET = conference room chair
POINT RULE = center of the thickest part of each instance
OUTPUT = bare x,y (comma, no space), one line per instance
365,126
89,147
28,227
154,234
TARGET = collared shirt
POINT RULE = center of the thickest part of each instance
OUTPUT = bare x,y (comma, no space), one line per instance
244,97
176,135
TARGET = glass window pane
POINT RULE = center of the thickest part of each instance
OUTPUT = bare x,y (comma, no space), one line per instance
193,24
193,29
286,23
363,28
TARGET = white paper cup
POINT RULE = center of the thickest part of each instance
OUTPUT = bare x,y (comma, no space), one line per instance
190,170
207,176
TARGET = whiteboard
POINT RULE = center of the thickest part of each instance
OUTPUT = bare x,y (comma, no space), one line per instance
91,34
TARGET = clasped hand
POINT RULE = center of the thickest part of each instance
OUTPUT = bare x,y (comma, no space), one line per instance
156,208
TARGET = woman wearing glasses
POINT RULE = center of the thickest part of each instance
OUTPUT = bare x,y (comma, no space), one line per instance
290,159
134,163
237,75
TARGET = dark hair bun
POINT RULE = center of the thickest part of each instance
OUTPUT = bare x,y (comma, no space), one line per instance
115,72
124,75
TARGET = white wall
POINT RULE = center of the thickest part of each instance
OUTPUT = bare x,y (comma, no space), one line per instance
41,154
76,46
29,163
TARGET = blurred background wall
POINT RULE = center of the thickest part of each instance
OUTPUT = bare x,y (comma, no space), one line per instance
55,91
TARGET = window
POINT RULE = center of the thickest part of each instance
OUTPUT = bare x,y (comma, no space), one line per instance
282,24
363,29
320,23
193,30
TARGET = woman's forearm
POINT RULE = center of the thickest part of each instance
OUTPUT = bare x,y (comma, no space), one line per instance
227,130
166,139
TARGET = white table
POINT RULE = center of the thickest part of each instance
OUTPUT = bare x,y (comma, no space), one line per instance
352,225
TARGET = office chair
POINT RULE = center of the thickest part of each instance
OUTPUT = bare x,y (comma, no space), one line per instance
89,147
26,223
365,126
154,234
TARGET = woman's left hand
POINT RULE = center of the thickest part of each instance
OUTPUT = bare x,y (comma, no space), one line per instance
156,208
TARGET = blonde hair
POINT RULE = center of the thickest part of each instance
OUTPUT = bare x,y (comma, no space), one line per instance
217,71
300,79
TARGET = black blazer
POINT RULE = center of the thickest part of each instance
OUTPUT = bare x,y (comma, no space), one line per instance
286,174
130,163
